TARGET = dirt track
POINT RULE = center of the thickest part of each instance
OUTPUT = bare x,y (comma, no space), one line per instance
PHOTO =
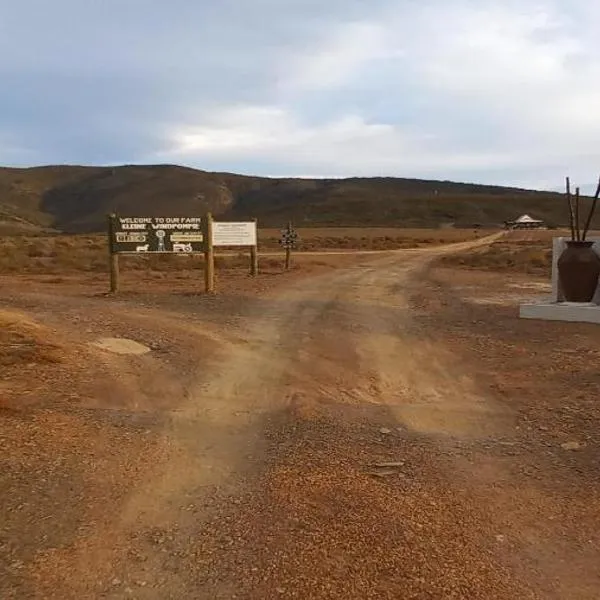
256,476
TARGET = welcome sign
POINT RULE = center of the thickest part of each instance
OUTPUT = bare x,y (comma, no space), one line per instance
156,234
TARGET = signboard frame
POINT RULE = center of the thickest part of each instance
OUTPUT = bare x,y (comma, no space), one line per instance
156,235
145,236
234,233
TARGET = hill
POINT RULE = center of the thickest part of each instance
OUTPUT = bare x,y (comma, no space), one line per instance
77,199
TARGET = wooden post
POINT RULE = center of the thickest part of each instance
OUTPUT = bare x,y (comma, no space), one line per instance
254,255
288,250
577,227
113,257
209,256
288,258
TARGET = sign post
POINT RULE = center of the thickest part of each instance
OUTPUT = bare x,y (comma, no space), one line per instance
178,235
113,257
209,256
238,234
288,257
289,239
254,256
151,235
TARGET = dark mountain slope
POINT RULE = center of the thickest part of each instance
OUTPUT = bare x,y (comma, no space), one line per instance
72,198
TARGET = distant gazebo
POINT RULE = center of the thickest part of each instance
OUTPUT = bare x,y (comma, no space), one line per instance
525,222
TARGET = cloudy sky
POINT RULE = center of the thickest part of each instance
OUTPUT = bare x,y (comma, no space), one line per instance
498,91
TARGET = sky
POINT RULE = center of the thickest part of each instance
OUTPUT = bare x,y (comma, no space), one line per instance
495,91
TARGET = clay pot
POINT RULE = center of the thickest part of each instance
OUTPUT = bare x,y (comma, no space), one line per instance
578,271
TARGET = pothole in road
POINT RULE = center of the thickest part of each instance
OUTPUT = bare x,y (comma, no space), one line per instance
121,346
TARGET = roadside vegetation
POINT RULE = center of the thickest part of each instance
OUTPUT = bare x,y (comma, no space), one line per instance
24,343
528,252
60,254
534,258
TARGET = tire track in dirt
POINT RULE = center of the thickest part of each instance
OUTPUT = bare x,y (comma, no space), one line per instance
218,432
360,349
347,338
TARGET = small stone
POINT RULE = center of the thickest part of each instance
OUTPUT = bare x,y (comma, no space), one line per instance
385,431
116,581
389,465
571,446
382,473
280,590
500,538
121,346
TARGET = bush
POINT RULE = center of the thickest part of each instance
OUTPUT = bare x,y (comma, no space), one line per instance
523,257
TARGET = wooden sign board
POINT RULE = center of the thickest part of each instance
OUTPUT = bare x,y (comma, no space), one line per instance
156,234
234,234
173,235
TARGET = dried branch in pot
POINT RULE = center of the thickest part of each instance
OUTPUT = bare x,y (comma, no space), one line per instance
588,223
577,201
571,211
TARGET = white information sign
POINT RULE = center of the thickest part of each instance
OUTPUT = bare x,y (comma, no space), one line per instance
234,234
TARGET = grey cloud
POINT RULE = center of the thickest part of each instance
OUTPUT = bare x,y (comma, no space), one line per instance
84,80
109,81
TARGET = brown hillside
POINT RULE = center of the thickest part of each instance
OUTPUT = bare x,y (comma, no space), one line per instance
396,203
77,199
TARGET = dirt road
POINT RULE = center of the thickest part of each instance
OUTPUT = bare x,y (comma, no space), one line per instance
329,446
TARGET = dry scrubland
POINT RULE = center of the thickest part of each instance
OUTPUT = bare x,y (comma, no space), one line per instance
24,343
61,257
370,238
59,254
518,252
528,252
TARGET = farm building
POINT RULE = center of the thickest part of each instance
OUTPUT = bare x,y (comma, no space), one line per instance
525,222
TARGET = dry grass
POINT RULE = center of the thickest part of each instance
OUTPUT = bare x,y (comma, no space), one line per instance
447,234
63,254
52,254
534,258
370,238
23,342
528,252
543,235
60,254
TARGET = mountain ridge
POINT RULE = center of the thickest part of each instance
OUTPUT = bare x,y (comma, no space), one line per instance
76,198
